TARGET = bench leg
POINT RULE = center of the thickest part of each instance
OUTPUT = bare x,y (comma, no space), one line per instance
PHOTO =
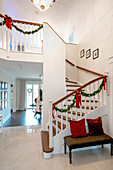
64,147
111,150
70,159
102,145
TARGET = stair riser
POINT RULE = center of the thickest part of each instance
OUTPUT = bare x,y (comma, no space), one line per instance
83,103
72,88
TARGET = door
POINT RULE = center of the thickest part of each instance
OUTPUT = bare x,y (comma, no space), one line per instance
32,93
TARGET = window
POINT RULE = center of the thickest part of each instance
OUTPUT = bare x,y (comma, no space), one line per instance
3,95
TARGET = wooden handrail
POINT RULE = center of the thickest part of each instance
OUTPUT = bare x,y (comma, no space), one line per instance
93,72
22,22
69,62
58,34
85,85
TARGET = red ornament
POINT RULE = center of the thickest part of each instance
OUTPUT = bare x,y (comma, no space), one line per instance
104,82
78,99
8,22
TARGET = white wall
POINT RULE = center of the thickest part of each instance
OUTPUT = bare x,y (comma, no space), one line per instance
93,22
71,55
10,79
53,70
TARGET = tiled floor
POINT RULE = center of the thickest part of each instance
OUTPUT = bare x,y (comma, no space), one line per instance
23,118
20,149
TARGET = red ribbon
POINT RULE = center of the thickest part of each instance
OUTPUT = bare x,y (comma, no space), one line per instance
104,82
8,22
78,99
54,107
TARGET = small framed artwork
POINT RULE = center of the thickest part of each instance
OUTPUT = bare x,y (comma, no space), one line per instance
82,53
88,53
95,53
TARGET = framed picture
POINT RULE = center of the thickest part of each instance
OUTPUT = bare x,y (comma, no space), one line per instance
95,53
88,53
82,53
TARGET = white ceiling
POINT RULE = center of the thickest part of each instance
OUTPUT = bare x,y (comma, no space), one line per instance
25,70
56,16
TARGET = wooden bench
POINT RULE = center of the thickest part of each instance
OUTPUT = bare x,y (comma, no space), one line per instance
74,143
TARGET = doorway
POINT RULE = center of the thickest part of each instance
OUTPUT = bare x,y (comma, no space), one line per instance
32,92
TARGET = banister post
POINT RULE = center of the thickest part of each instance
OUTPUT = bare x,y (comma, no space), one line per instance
50,125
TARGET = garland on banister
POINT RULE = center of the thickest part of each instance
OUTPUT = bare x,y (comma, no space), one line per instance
9,24
77,97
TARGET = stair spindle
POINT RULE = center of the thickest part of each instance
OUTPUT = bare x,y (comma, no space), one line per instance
98,93
94,96
89,99
61,117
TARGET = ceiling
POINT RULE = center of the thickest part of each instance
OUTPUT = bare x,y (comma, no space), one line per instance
56,16
24,70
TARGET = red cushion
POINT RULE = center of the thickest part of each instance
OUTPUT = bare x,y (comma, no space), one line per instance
95,126
78,128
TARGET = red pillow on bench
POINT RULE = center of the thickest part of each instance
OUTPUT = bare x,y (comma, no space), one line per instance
78,128
95,126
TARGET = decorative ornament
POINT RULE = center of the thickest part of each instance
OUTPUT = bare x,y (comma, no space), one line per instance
29,90
78,99
8,22
43,5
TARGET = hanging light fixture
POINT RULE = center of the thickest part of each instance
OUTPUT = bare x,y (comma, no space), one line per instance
43,4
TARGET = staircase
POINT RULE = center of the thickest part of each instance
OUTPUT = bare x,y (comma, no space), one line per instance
91,107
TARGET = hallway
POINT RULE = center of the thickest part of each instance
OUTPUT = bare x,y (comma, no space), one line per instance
23,118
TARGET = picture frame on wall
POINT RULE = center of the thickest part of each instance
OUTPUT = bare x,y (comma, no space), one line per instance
82,53
88,53
95,53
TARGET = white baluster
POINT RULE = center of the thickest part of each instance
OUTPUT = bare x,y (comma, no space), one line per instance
25,38
32,35
89,98
50,125
28,38
61,117
20,38
98,95
85,103
12,40
16,39
3,36
56,117
7,41
71,108
66,113
94,96
102,96
81,108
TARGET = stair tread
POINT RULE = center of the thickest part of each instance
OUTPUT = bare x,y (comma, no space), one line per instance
45,142
77,85
74,113
59,124
83,107
64,118
69,81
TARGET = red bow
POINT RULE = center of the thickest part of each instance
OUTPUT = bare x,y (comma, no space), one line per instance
54,107
104,82
78,99
8,22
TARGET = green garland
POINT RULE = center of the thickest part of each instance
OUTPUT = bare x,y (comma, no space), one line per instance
83,94
20,30
27,32
2,23
68,108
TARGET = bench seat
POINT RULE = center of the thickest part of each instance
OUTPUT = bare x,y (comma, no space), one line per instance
74,143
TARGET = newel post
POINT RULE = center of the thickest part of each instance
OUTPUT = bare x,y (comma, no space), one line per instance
50,125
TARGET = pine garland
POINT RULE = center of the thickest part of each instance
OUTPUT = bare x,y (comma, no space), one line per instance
26,32
83,94
20,30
